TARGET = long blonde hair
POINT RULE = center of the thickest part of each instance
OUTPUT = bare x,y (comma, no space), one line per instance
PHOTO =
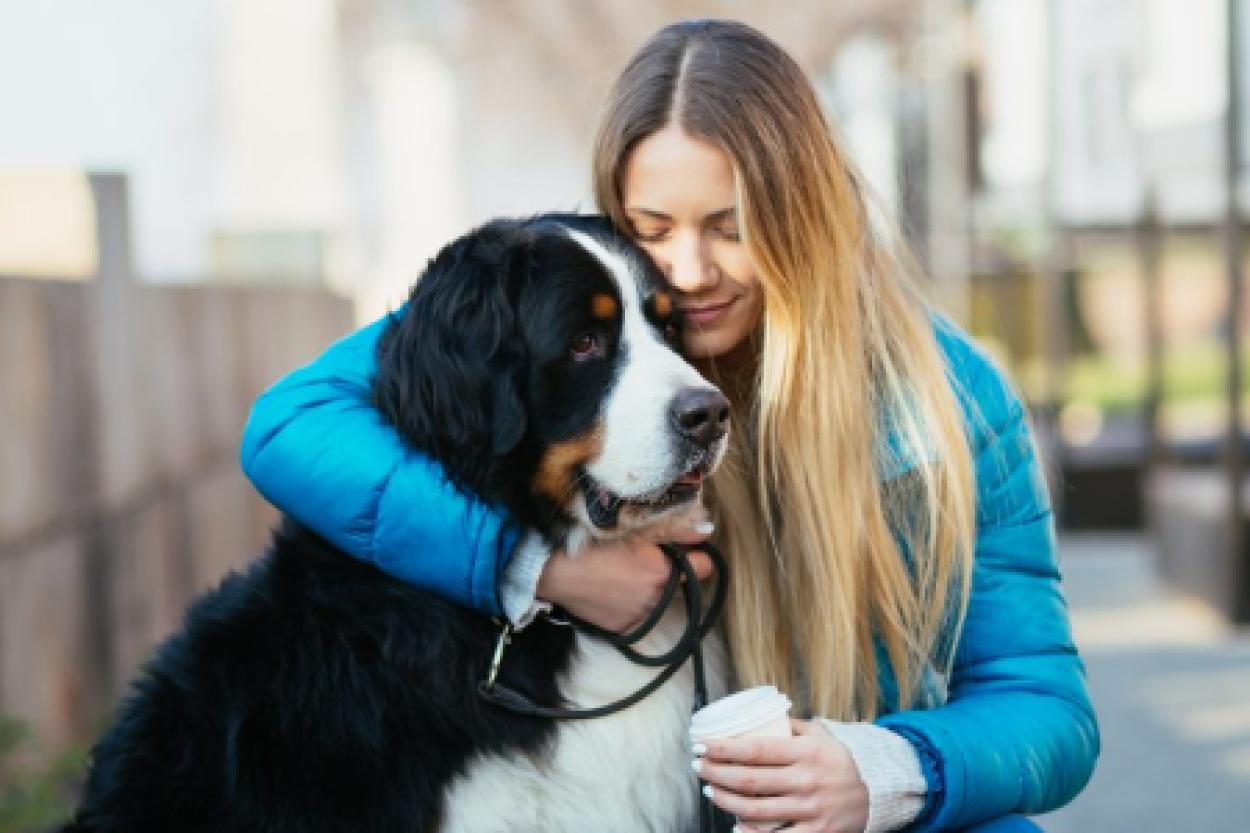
828,557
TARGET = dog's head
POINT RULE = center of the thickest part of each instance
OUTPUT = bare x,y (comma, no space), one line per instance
537,361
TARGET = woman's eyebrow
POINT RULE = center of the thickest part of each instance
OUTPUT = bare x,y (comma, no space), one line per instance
719,215
647,212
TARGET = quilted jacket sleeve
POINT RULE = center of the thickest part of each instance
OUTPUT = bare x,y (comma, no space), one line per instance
316,447
1018,733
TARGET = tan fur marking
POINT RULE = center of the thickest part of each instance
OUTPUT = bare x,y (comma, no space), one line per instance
663,304
555,473
603,307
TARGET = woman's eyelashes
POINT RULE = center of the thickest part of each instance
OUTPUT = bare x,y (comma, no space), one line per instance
724,224
650,235
729,233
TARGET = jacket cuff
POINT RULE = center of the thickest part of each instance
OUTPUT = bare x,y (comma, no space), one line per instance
889,768
520,581
931,765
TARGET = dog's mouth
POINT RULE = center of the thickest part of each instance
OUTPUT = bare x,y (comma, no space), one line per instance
604,507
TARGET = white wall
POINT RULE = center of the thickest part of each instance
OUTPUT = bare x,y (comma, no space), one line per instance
122,85
281,121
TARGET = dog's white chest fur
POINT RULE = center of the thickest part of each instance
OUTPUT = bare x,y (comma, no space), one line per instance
625,773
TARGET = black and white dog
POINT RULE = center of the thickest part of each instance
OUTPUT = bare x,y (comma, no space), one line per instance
537,361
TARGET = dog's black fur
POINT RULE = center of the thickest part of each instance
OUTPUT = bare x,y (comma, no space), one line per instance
311,692
299,697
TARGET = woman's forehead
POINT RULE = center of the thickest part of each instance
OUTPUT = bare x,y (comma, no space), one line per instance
670,169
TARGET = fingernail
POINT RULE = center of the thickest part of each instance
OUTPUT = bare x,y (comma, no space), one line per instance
697,764
707,790
705,527
699,750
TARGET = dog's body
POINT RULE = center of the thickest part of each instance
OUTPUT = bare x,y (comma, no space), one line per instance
312,692
625,772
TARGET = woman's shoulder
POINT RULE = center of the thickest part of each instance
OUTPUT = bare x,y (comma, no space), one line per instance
1010,479
985,391
990,405
971,365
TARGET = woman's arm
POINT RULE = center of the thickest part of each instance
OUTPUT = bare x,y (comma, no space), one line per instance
1018,733
316,448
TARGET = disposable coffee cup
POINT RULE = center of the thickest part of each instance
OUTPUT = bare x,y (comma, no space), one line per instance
762,711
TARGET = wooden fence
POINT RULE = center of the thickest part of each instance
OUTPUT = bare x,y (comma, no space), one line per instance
121,408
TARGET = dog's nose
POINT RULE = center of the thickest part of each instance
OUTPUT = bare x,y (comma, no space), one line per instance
700,415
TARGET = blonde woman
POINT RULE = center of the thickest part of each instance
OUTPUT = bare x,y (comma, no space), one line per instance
887,523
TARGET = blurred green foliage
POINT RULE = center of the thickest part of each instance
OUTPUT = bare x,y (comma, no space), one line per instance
1003,313
1196,373
36,791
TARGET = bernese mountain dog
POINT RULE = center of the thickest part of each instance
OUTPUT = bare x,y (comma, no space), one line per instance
537,361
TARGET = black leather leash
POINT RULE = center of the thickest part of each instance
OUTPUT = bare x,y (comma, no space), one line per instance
689,646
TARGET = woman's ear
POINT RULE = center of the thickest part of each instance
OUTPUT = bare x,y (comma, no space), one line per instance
451,363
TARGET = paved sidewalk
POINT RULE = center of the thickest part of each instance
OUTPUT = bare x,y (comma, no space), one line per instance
1171,683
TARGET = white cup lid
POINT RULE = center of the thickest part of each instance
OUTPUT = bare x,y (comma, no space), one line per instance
739,713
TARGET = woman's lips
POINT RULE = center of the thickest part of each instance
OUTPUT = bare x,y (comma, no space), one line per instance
706,314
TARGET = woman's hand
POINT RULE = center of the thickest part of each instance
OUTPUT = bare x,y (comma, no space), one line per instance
808,782
615,585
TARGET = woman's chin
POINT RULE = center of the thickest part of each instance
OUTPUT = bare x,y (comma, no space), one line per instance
728,345
729,338
707,344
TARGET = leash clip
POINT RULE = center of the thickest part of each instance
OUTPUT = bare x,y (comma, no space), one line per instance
505,637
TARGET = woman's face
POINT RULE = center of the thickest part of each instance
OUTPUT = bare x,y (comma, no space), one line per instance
680,199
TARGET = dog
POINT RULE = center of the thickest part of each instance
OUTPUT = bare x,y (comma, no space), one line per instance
538,361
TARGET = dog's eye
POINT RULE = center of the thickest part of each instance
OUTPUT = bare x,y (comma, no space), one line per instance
671,334
587,346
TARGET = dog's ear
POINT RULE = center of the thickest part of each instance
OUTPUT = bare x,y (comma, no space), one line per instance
451,363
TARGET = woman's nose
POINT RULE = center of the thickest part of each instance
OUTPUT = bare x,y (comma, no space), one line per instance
690,270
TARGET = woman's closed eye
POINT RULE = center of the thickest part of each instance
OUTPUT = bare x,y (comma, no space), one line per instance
657,234
650,235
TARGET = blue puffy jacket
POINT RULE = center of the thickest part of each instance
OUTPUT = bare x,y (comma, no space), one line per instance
1017,733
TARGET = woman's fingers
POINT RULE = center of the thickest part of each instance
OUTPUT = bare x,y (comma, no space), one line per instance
616,584
765,812
612,585
689,533
700,563
751,751
753,780
809,779
692,536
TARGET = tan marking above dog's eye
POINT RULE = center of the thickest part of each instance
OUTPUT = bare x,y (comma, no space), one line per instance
662,303
603,306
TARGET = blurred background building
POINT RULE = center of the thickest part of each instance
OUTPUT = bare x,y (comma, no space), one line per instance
196,197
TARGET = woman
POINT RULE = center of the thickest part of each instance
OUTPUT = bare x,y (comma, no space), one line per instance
888,525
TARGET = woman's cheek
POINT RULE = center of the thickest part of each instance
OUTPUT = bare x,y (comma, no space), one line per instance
738,266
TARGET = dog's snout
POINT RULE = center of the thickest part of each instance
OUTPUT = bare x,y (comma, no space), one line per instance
700,415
